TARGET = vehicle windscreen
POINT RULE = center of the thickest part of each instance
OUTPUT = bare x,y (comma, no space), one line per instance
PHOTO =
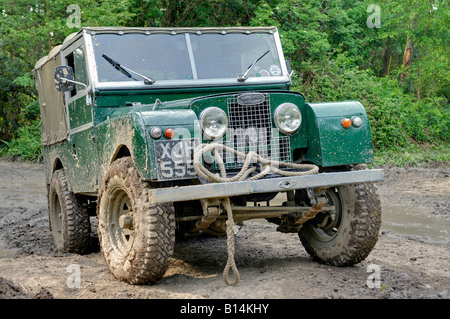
187,56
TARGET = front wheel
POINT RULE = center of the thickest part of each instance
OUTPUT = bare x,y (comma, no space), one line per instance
136,237
346,235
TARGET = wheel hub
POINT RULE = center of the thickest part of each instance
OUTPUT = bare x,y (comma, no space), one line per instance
126,222
121,230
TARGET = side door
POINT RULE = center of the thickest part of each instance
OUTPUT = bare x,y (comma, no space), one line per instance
81,138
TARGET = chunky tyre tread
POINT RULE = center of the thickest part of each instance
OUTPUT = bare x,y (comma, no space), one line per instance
358,233
154,225
76,226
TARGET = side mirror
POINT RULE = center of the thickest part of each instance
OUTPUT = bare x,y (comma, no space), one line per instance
64,78
64,81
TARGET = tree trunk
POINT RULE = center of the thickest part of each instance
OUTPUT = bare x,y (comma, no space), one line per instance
407,55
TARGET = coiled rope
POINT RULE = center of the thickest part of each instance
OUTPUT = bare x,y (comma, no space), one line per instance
250,158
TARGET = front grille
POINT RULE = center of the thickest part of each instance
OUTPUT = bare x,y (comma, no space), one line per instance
250,115
278,149
250,129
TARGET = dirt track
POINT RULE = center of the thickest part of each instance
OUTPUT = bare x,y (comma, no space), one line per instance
271,264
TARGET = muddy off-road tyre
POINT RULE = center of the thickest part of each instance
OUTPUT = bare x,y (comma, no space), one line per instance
136,237
68,218
349,237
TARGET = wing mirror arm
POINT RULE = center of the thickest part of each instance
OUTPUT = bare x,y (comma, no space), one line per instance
64,81
289,68
88,93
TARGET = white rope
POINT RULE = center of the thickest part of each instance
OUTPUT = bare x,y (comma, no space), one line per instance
230,247
250,157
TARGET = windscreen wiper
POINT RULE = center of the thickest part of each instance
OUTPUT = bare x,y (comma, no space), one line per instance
125,71
243,77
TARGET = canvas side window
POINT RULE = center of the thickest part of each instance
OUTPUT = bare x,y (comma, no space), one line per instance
77,61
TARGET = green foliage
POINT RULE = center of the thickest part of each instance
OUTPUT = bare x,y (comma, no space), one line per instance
334,53
397,118
336,56
27,145
26,80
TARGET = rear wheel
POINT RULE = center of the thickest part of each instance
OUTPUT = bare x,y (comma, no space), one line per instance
346,235
69,220
136,237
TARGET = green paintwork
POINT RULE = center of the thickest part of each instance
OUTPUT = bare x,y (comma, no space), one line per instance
183,121
122,97
79,113
329,143
298,139
126,128
321,138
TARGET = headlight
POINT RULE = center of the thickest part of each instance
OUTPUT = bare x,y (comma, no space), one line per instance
288,118
214,122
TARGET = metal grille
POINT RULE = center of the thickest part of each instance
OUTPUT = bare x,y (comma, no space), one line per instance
278,149
250,129
250,116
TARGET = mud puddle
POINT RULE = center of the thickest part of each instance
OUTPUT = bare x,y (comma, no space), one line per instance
402,220
412,221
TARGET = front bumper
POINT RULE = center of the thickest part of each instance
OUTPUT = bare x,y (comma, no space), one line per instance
279,184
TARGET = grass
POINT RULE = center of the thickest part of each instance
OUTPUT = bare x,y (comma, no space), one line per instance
414,155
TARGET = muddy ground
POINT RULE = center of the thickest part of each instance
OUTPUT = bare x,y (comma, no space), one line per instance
412,254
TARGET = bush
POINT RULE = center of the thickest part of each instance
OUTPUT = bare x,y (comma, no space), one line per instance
27,145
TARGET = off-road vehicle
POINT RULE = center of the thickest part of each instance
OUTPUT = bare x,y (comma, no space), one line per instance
160,132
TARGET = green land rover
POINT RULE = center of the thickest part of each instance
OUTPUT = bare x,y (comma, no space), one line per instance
167,132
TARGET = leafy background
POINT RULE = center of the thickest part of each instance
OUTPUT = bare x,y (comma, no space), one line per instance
400,71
